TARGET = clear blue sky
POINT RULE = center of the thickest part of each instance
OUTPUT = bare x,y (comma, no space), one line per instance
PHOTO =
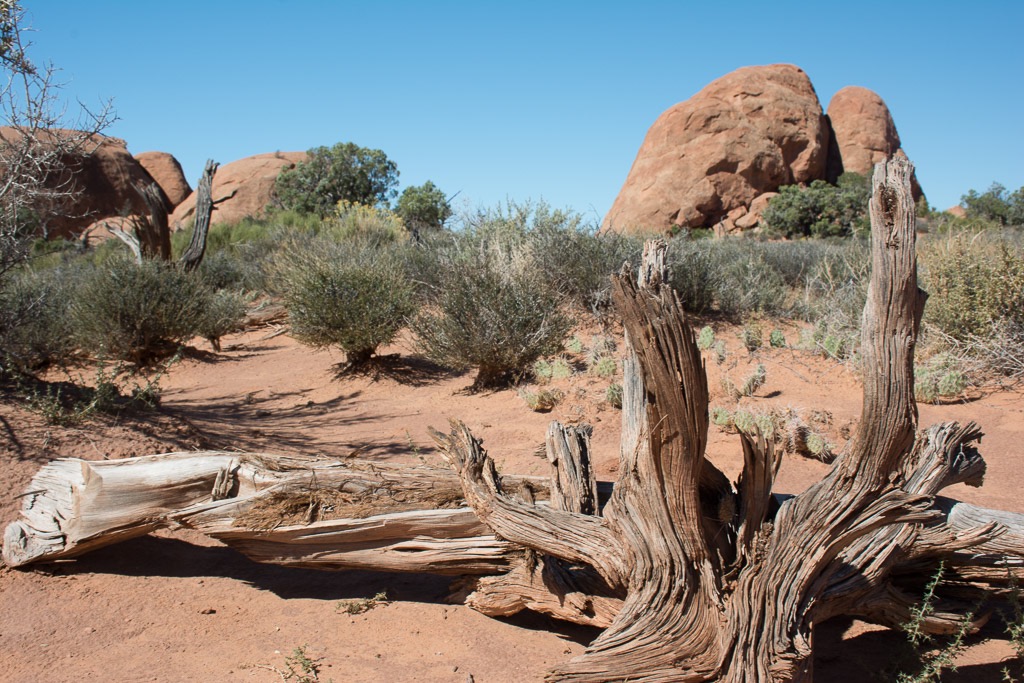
527,99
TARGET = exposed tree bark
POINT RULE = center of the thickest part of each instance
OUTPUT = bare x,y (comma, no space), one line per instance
193,255
153,232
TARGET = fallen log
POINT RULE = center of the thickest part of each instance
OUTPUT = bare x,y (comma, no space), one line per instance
281,509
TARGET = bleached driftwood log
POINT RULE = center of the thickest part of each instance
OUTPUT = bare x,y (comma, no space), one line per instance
278,509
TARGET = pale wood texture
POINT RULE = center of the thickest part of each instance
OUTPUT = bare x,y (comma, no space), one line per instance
285,510
153,232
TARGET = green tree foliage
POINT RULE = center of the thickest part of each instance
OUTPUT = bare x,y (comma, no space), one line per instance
344,172
996,204
821,210
423,207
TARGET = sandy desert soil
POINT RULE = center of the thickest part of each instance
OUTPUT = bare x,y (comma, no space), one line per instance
178,607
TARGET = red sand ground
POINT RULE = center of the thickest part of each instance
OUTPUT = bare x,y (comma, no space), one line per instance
179,607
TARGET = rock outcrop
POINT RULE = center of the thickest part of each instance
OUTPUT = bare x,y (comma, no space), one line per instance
863,127
716,159
166,171
102,176
864,133
241,189
744,134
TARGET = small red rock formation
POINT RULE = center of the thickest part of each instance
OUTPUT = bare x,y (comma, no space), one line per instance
743,135
241,189
166,171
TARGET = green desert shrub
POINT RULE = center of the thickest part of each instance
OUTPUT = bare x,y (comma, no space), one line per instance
224,314
576,259
580,261
35,327
368,225
353,297
695,272
490,308
139,312
833,299
973,282
750,285
821,209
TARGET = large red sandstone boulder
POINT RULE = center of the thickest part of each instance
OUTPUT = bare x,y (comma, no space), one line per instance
241,189
166,171
744,134
863,127
103,177
864,133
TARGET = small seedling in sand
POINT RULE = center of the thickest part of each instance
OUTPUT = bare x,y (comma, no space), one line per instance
751,384
777,340
298,667
574,345
361,605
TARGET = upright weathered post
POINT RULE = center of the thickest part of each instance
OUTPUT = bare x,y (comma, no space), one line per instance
193,255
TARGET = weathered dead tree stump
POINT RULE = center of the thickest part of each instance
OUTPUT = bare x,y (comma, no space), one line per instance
721,581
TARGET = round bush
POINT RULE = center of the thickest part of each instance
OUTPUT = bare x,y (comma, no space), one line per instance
492,310
357,300
35,329
139,312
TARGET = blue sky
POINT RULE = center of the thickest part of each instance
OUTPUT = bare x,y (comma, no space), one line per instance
542,100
